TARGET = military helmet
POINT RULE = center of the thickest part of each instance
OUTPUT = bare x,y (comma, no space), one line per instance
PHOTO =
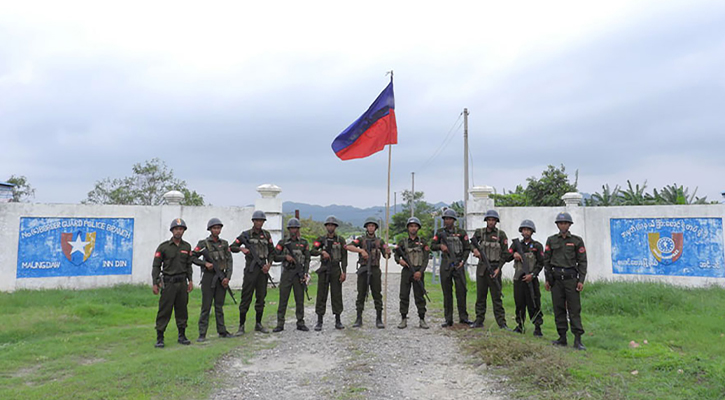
564,217
527,223
177,222
450,213
259,215
293,223
331,220
212,222
413,220
371,220
491,214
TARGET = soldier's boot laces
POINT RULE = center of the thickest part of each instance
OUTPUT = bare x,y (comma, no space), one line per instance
318,325
358,320
422,324
260,328
379,320
403,323
159,339
578,343
338,323
537,331
182,337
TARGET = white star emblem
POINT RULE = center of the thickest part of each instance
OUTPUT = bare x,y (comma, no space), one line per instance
78,245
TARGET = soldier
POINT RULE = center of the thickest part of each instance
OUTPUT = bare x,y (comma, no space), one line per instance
294,253
494,243
565,263
412,254
257,244
213,288
332,272
369,245
172,272
526,285
455,248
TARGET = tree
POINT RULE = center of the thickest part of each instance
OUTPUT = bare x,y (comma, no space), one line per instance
635,195
606,198
548,190
146,186
22,191
673,194
423,211
517,198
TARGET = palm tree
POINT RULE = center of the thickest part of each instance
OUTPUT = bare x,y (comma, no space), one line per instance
607,197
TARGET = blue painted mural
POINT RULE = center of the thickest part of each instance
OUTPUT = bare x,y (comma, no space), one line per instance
668,246
74,247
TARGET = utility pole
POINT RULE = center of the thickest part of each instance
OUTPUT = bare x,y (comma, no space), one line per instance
412,195
395,203
465,165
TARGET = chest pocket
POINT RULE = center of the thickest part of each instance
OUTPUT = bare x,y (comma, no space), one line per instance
492,250
298,254
415,255
217,255
260,243
454,242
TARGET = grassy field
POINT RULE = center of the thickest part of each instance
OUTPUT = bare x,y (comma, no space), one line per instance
93,344
678,350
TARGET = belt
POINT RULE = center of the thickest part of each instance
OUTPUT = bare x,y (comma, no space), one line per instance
175,278
563,274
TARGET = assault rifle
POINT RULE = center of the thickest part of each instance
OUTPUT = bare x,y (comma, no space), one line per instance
256,260
489,268
454,260
219,275
519,248
412,269
299,269
368,268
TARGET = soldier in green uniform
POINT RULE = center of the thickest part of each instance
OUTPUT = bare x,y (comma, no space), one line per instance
255,271
172,273
294,254
494,243
213,288
565,263
455,249
369,245
523,296
332,272
412,254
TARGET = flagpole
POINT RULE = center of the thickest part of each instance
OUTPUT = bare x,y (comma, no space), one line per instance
387,236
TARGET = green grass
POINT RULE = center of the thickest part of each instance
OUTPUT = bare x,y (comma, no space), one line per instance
684,357
98,343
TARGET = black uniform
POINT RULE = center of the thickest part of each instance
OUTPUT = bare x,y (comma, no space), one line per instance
254,279
565,263
534,255
172,272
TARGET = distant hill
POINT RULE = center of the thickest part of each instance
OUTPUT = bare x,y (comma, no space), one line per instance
353,215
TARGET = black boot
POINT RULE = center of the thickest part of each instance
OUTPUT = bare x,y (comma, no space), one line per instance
278,328
318,325
240,331
379,320
447,324
301,326
258,327
466,321
519,329
477,324
561,341
202,338
338,323
358,320
159,339
578,343
537,331
182,337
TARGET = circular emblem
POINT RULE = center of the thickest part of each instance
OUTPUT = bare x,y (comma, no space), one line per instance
666,245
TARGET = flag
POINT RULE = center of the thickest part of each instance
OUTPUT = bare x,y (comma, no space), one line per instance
372,131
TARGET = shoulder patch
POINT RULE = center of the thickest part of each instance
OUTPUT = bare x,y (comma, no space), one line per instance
547,248
435,237
426,248
356,241
158,254
582,249
279,247
316,244
196,248
506,242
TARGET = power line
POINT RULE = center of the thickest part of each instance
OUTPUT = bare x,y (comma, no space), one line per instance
449,137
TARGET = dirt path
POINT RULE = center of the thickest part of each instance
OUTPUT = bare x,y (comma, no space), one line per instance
359,363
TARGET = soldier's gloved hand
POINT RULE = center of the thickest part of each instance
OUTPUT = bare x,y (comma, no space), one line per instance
209,266
579,286
325,255
155,289
225,283
289,259
403,263
547,286
244,250
266,268
342,277
444,248
517,256
190,287
476,253
527,278
417,275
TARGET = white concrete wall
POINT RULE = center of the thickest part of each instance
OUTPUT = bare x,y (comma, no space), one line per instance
593,225
151,227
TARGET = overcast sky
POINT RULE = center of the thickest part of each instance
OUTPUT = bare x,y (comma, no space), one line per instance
235,94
